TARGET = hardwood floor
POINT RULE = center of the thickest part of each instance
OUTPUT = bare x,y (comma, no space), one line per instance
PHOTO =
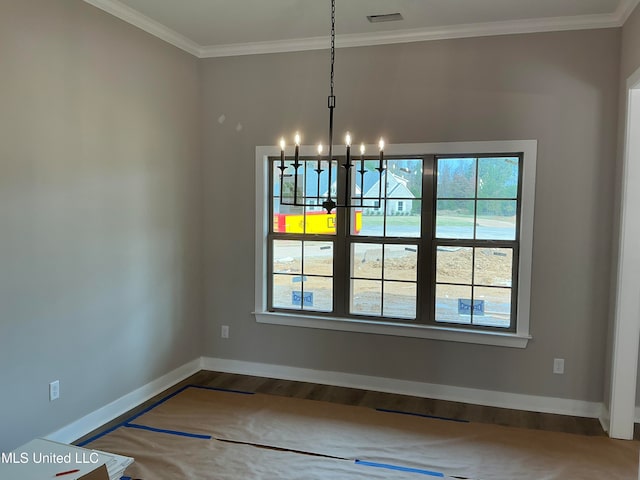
366,398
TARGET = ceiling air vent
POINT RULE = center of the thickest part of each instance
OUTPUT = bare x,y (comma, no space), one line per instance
387,17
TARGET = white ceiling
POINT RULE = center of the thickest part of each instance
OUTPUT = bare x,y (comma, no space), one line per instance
209,28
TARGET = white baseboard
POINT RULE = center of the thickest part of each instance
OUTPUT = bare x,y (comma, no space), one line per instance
605,418
533,403
489,398
97,418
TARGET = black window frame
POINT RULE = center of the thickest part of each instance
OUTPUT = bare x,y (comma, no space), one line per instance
427,244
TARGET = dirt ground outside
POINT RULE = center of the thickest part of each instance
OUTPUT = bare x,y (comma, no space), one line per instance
384,280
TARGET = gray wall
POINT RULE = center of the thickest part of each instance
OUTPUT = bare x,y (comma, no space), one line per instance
629,63
100,212
102,136
558,88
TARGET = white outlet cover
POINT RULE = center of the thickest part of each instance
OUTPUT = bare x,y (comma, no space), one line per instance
54,390
558,366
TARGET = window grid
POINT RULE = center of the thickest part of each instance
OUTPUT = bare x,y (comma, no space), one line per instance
384,279
476,243
426,242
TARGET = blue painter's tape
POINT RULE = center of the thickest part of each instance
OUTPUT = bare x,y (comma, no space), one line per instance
99,435
423,415
125,422
169,432
154,405
399,468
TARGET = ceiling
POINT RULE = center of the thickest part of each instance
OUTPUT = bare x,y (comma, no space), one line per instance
211,28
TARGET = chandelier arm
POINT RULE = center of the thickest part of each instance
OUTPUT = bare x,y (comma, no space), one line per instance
296,166
319,171
362,172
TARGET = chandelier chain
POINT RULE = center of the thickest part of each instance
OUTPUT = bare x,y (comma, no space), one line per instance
333,39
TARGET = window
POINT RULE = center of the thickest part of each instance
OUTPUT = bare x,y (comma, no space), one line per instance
477,204
438,246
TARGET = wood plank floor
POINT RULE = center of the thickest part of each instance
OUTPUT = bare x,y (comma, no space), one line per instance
366,398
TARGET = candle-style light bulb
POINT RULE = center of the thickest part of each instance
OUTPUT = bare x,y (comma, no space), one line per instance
362,149
347,141
318,169
296,153
296,166
380,166
282,145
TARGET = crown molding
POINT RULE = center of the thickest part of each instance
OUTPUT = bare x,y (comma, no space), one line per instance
552,24
129,15
256,48
419,35
624,10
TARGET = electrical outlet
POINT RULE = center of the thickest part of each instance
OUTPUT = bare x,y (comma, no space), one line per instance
558,366
54,390
224,333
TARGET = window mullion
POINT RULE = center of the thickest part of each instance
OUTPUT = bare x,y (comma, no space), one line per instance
341,255
426,254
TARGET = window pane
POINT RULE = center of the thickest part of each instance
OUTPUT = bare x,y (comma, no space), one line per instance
366,297
366,260
454,219
497,307
318,258
275,188
312,188
399,300
404,179
319,221
496,220
283,291
405,223
318,294
290,182
456,177
400,262
365,189
290,219
372,222
493,266
452,302
453,265
287,256
355,220
325,180
287,218
276,220
498,177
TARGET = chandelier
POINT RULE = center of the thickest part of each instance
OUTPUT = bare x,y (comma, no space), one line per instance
329,203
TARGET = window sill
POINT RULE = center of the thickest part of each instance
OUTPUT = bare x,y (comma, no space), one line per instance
514,340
